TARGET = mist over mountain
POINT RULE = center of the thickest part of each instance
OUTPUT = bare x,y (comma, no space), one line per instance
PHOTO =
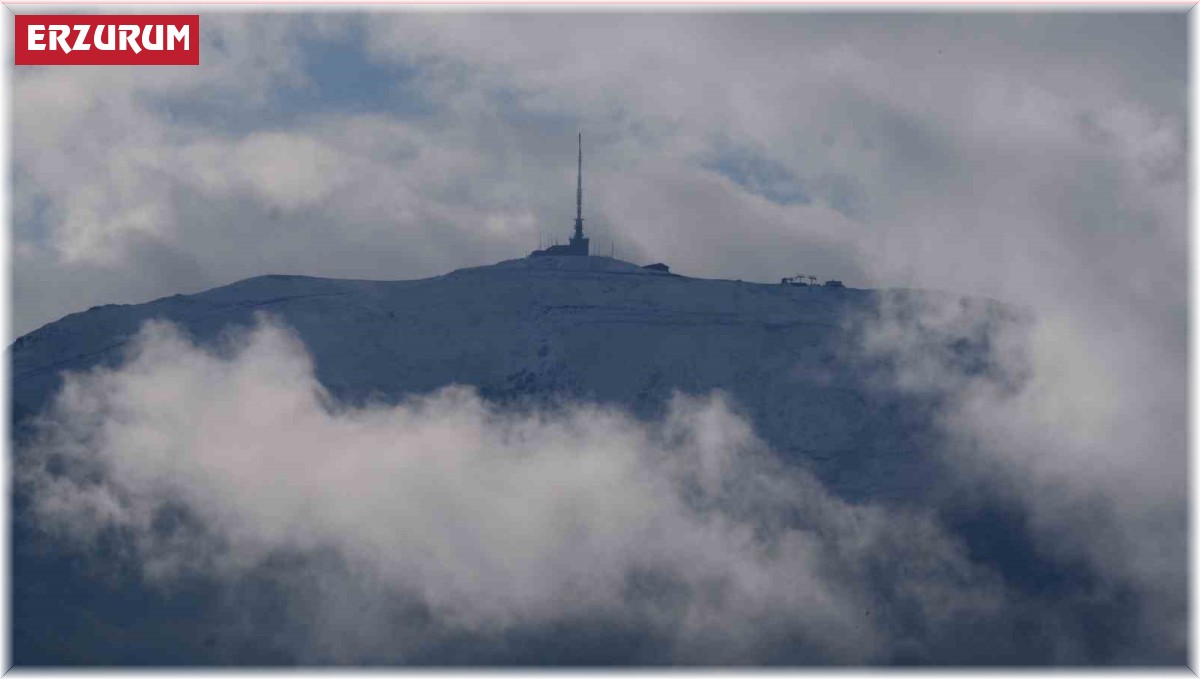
563,460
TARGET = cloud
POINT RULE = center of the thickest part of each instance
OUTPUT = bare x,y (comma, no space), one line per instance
1084,434
219,463
1035,159
1018,134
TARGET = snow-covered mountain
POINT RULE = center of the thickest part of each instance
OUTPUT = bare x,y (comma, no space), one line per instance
791,359
581,327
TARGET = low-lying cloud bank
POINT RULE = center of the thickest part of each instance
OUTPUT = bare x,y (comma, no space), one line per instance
395,529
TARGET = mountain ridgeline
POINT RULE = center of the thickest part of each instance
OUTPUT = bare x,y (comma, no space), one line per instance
542,329
797,362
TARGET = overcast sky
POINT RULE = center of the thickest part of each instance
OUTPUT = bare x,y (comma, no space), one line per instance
986,153
1036,158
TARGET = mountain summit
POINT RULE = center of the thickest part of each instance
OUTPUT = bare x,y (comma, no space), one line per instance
590,328
795,362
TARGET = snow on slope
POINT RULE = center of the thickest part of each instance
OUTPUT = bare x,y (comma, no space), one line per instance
593,328
523,331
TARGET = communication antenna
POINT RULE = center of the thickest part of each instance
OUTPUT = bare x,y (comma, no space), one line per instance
579,193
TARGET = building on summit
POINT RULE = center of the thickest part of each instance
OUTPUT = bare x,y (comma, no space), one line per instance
578,244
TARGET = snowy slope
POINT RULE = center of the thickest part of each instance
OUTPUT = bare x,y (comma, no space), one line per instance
593,328
599,329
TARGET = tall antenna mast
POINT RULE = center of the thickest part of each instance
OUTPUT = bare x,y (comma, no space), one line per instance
579,193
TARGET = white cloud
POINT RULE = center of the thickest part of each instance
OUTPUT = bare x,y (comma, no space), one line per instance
493,520
1034,158
1086,433
982,149
93,141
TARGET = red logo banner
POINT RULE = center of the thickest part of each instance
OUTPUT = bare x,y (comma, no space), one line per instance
107,39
